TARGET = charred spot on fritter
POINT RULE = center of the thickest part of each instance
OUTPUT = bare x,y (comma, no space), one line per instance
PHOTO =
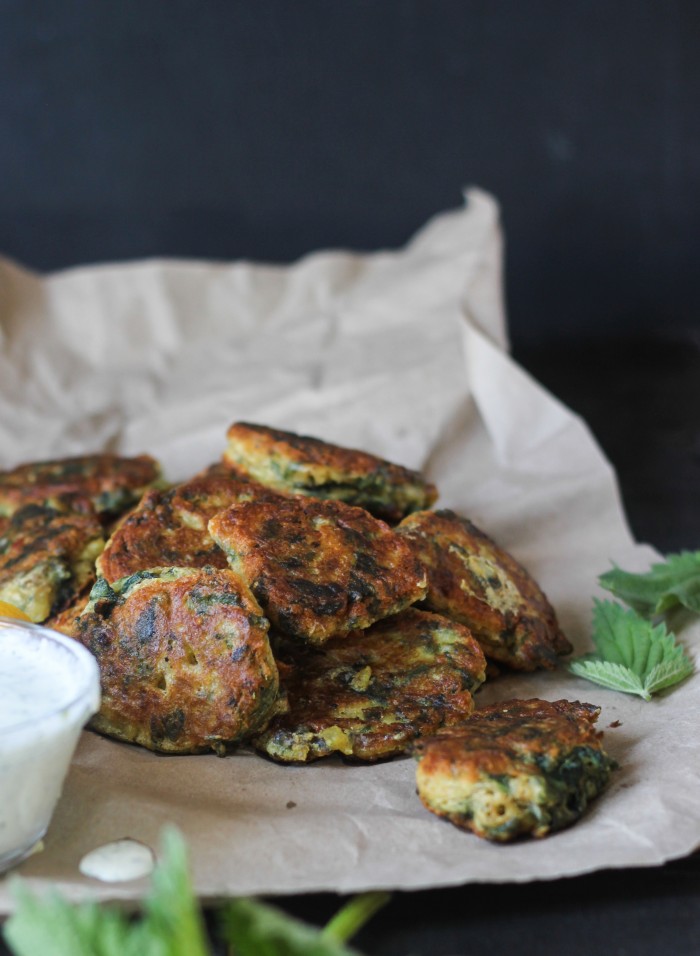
47,558
369,695
185,661
111,483
320,569
169,528
302,465
517,768
472,580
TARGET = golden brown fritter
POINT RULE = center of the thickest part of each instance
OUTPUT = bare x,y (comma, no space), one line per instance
520,767
319,568
369,695
308,466
169,528
47,557
185,662
472,580
112,484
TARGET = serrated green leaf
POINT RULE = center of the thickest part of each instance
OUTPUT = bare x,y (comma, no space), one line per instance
668,673
665,585
632,654
623,637
608,674
52,925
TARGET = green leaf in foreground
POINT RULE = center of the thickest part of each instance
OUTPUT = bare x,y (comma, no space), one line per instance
54,927
171,910
257,929
632,655
665,585
352,917
171,926
172,922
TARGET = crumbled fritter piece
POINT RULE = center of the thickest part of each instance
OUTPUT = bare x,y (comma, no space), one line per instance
47,557
308,466
520,767
112,484
369,695
169,528
319,569
472,580
185,661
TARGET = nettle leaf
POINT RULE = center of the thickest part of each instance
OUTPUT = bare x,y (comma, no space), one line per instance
665,585
613,676
625,638
669,672
632,654
52,925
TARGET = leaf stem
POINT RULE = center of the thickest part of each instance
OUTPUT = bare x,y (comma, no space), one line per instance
352,917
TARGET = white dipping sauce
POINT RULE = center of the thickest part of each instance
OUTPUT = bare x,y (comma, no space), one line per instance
49,687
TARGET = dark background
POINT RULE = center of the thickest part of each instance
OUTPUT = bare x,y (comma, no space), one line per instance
266,129
269,128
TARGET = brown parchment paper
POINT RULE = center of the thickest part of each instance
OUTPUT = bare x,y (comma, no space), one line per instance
403,354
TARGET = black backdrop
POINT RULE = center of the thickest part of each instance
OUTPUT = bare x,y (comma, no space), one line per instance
269,128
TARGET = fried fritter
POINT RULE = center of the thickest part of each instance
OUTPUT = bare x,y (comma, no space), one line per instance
169,528
308,466
63,502
47,557
185,661
369,695
112,484
472,580
520,767
65,620
319,569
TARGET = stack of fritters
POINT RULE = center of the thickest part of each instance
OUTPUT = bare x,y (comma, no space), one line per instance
286,531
